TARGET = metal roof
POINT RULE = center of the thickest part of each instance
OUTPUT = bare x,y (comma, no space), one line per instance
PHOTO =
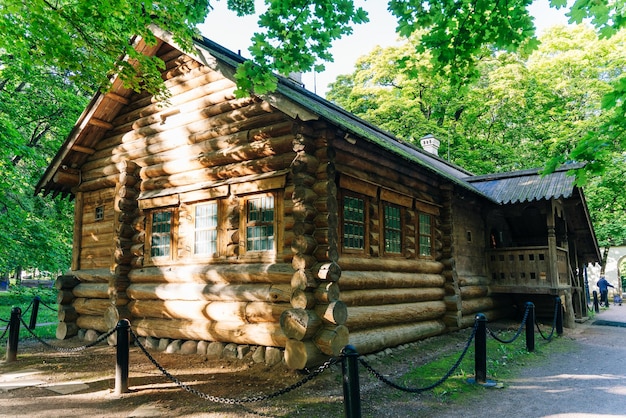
527,185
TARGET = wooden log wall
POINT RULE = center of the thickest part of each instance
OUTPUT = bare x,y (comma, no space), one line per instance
96,240
392,299
203,134
315,325
467,283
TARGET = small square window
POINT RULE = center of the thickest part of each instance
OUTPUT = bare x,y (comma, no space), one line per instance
99,213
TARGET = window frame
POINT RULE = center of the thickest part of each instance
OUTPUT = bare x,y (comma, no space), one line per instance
217,228
244,224
419,235
366,227
383,229
173,236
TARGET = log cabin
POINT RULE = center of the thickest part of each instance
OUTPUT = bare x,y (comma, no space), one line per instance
281,220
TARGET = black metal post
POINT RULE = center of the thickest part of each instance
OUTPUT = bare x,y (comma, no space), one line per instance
559,317
14,334
351,389
480,350
530,327
123,354
33,314
596,305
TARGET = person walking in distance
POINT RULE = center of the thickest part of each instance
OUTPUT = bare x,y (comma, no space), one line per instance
603,286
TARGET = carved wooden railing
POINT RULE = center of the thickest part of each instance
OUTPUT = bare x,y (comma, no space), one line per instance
526,268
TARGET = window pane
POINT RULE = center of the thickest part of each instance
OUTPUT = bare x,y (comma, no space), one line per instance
205,242
392,229
161,239
425,234
353,223
260,229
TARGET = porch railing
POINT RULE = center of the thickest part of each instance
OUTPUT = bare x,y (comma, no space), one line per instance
527,267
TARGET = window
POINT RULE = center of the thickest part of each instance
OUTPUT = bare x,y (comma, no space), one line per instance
392,224
425,240
260,223
353,223
99,213
205,229
161,238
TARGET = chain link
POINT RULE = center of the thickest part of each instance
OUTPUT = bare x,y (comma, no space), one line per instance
517,334
4,332
100,339
427,388
231,401
549,337
41,302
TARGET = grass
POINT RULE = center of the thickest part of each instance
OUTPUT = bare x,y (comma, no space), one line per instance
503,361
22,297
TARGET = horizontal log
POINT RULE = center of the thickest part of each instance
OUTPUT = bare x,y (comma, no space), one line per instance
303,354
66,330
303,279
67,313
390,264
302,299
266,333
92,290
86,306
242,312
93,275
92,322
300,324
240,169
354,280
66,282
334,313
327,271
377,339
391,296
472,306
278,273
327,292
470,292
65,297
361,317
491,315
472,280
214,292
332,340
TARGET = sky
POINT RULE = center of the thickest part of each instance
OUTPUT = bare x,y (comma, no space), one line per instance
233,32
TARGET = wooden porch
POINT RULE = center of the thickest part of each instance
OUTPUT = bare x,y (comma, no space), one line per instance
529,270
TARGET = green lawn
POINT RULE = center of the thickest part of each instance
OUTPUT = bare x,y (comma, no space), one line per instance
23,297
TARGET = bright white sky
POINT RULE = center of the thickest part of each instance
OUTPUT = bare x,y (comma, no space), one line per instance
233,32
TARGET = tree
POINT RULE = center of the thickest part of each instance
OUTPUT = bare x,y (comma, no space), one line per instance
518,111
37,110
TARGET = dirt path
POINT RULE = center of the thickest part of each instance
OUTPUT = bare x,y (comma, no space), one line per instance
584,380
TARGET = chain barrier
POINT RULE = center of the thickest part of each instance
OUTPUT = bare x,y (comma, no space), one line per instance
388,382
517,334
100,339
549,337
4,333
41,302
4,320
231,401
25,311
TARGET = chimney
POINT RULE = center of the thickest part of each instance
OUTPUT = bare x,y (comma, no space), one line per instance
430,144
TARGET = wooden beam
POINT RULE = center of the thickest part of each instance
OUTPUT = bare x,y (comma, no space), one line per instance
100,123
84,150
117,98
